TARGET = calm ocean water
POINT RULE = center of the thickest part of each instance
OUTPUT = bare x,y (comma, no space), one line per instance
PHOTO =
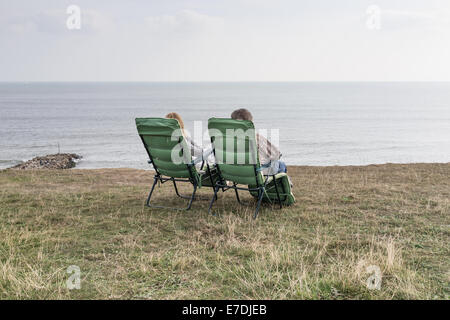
319,123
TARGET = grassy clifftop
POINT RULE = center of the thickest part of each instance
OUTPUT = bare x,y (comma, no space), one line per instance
393,217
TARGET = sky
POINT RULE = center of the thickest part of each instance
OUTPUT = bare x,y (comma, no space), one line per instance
227,40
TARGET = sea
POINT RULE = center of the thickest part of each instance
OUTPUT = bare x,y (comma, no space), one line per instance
317,123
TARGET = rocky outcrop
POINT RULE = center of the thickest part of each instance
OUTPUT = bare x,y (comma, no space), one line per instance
53,161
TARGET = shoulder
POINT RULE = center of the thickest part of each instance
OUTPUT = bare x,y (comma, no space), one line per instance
261,138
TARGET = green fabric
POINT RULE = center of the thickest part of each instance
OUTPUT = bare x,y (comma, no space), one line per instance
284,189
222,124
238,163
245,149
156,126
157,136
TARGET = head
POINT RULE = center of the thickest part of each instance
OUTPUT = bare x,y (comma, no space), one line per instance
174,115
241,114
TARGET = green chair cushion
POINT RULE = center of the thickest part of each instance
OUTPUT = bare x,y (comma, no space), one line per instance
284,189
157,137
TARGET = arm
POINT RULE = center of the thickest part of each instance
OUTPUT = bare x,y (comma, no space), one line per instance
267,151
196,150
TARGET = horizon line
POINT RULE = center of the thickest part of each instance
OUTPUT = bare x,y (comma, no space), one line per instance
227,81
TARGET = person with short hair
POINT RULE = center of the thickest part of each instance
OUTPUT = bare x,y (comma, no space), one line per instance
267,152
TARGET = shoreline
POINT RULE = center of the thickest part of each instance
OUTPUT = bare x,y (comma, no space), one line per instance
288,166
150,168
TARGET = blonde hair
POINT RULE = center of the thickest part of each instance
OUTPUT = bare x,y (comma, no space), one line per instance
176,116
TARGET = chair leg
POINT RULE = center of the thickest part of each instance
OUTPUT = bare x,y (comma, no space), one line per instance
176,190
192,197
151,191
237,194
278,193
210,177
260,196
175,187
216,189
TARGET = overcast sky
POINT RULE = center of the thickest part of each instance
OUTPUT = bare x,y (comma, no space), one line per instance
227,40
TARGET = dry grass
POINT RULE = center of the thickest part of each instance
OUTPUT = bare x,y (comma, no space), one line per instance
395,217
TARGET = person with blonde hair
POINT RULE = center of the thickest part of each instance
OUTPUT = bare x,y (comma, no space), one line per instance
176,116
196,150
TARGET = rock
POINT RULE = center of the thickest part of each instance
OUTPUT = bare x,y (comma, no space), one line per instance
53,161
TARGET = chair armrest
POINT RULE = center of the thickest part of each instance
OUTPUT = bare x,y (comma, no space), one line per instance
264,166
207,153
197,160
268,176
203,157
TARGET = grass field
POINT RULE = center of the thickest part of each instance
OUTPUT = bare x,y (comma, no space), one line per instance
394,217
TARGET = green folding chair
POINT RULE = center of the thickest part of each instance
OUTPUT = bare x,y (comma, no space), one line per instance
171,158
236,153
